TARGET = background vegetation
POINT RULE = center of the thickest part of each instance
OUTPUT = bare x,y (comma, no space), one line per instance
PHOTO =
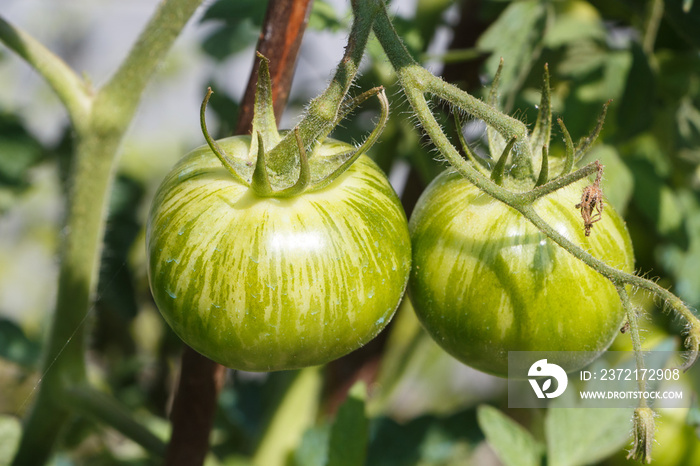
423,406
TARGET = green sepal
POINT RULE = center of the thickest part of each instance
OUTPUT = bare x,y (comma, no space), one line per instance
499,169
496,141
543,127
260,182
264,122
569,162
364,147
585,143
234,167
544,168
480,163
276,160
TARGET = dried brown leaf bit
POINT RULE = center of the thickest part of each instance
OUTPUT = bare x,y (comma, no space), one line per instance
591,204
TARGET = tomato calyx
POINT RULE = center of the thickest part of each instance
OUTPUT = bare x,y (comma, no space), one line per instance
644,428
514,166
284,165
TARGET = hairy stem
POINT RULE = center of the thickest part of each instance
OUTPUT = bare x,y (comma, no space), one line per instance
416,81
633,321
280,39
98,137
322,113
68,86
201,379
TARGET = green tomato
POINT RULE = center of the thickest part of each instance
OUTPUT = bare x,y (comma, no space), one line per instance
264,283
485,281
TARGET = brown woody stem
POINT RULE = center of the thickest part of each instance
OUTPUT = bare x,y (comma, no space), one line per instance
200,378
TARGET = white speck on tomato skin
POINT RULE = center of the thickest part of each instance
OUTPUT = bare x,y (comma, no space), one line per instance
370,295
170,293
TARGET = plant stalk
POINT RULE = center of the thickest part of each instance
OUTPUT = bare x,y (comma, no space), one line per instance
73,92
98,136
201,379
416,81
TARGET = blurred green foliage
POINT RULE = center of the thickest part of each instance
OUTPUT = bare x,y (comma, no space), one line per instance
422,407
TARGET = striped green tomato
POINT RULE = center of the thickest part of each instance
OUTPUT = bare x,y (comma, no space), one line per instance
485,281
265,283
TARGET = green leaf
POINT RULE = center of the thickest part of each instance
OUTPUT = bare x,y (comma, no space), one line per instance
234,12
229,40
576,22
578,436
10,432
19,151
612,80
688,123
684,261
516,36
226,109
635,113
581,59
685,19
514,445
294,414
324,18
425,440
655,199
241,19
349,434
16,347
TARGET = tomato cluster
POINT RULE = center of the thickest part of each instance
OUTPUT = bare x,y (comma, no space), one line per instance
260,272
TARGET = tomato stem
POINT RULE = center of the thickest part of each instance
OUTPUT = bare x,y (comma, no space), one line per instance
633,321
643,431
364,147
100,121
74,92
101,407
416,81
322,113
